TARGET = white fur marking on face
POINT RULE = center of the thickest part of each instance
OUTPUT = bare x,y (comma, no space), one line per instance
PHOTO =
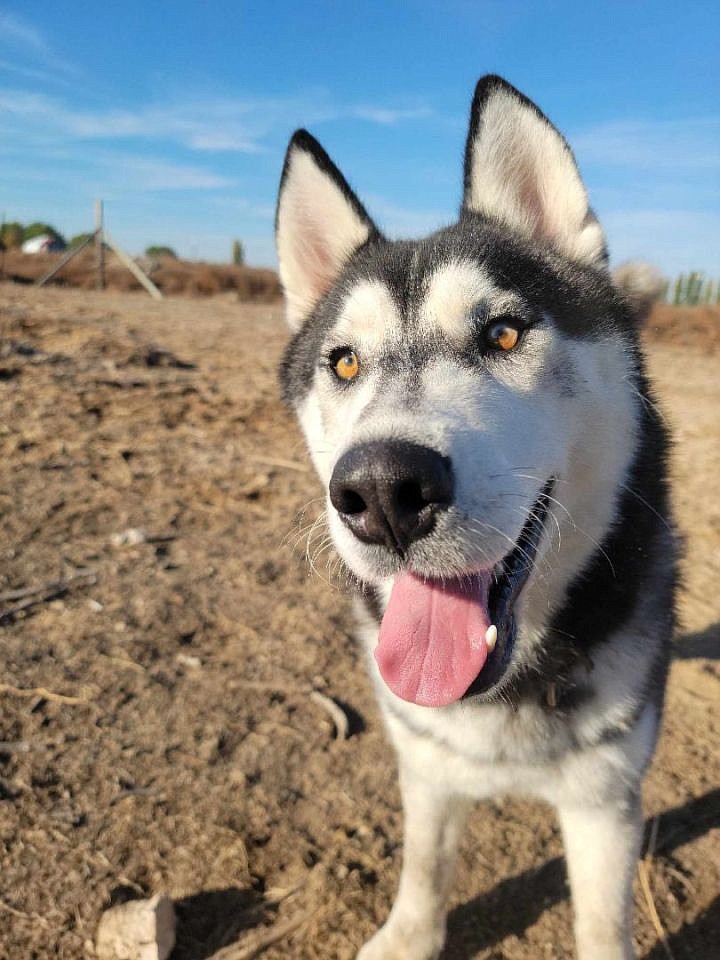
368,317
318,229
452,292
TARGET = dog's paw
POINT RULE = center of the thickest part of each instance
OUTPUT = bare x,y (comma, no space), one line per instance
392,942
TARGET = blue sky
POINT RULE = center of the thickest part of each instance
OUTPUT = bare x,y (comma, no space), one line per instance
177,114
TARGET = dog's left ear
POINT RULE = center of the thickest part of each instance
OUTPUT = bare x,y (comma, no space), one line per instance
319,224
520,170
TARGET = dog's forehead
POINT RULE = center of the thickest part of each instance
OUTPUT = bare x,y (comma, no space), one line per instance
439,297
456,291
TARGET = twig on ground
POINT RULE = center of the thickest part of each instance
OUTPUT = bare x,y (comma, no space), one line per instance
652,839
279,462
337,714
40,588
136,792
44,693
644,876
43,593
682,879
21,915
652,910
125,662
14,746
256,943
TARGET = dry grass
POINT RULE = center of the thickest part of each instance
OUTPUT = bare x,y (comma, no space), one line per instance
174,277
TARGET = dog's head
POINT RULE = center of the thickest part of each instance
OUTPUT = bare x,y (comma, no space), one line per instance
467,398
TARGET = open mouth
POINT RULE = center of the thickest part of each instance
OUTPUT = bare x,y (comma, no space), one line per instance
442,641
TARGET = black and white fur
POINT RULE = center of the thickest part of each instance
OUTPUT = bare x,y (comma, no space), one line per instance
575,717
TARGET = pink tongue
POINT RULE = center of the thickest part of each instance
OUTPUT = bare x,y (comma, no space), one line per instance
432,638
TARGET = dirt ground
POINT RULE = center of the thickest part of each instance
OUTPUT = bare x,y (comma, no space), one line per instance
155,725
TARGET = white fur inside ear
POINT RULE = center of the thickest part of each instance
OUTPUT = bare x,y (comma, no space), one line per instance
523,173
317,230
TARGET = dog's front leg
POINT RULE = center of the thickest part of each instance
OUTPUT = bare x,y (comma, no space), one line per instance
602,844
434,821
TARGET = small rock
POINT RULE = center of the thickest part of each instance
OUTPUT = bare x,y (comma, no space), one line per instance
254,487
95,605
129,537
187,660
138,930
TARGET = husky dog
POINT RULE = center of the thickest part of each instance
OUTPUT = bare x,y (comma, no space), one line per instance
495,468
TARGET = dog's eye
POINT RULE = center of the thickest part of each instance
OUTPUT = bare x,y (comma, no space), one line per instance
346,364
502,335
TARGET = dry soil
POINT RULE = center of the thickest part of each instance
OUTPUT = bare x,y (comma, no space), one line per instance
155,725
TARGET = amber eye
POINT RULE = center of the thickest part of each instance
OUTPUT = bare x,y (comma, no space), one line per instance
502,336
347,365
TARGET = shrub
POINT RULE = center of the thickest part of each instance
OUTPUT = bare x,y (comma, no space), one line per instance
80,238
238,254
160,251
11,235
38,229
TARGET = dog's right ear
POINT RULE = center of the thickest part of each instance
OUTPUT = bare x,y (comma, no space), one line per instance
319,224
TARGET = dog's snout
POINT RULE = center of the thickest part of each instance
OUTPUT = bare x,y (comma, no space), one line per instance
389,492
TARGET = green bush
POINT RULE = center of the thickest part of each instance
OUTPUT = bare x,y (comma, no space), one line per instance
11,235
238,254
160,251
38,229
80,238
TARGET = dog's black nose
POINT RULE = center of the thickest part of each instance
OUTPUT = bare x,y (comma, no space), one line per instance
390,491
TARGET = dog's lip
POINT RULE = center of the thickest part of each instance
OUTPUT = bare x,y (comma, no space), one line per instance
510,576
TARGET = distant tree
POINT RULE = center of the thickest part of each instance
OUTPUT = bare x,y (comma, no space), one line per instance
160,251
11,235
238,254
80,238
39,229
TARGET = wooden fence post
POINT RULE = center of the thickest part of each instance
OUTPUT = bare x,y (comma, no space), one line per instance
101,239
99,246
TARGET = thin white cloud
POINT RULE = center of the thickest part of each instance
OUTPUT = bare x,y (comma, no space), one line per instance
143,174
691,144
240,125
22,38
389,117
29,73
39,118
13,29
107,172
249,208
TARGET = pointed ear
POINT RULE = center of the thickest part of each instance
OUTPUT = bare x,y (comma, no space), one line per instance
519,169
318,225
